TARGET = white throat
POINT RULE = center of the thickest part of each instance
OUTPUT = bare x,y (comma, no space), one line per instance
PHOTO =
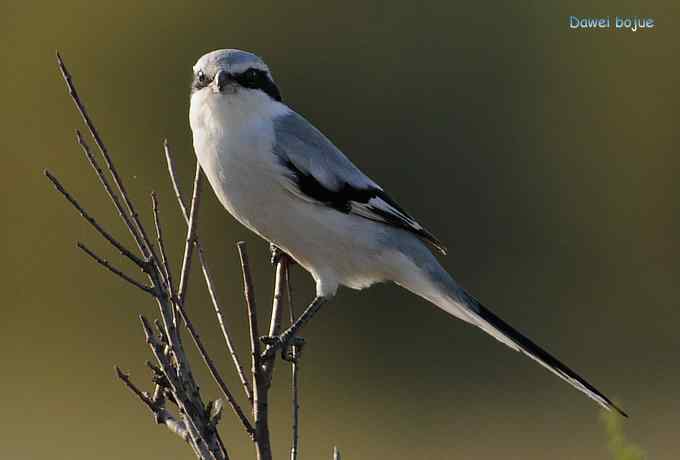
214,112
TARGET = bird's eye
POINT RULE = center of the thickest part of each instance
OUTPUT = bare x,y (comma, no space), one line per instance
201,76
250,75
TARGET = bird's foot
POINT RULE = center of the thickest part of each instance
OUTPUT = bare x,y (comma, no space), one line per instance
282,342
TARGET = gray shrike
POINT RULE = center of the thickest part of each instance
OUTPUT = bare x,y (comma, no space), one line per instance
283,179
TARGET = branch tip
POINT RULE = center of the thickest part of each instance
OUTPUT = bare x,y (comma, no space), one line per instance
105,263
119,373
147,329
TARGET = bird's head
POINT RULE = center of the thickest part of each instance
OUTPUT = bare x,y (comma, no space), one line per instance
231,73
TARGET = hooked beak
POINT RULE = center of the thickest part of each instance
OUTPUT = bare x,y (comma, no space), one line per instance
221,81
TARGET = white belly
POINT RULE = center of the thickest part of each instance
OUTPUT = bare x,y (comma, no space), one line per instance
238,161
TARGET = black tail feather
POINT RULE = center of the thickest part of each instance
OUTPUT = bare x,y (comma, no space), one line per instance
528,347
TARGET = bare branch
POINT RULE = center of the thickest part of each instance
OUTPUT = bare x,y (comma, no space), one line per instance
147,248
191,236
279,295
161,415
250,303
123,250
295,443
109,191
208,279
220,318
277,310
196,422
215,373
161,244
197,439
188,432
143,396
295,393
265,368
336,453
260,374
289,293
186,265
173,178
116,271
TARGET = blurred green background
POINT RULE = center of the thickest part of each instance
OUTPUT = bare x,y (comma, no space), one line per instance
545,158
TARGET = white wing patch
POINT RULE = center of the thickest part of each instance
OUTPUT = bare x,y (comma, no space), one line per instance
379,210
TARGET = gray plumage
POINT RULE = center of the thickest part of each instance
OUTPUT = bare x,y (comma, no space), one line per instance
282,178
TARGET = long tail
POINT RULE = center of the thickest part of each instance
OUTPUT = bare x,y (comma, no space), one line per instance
442,290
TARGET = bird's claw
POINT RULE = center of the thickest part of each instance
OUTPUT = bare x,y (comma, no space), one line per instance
284,342
292,356
271,340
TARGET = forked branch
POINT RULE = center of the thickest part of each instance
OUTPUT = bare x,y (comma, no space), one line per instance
192,418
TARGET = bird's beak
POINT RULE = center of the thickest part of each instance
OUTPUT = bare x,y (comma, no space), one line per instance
221,82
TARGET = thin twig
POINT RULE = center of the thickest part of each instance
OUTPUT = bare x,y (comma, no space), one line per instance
208,277
140,394
109,191
222,448
191,236
122,249
173,179
336,453
277,309
260,380
161,244
173,375
220,319
250,303
161,415
214,372
295,396
279,295
197,439
186,408
116,271
186,265
147,248
289,293
263,368
295,444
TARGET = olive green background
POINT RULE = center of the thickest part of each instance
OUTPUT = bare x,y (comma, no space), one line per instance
545,158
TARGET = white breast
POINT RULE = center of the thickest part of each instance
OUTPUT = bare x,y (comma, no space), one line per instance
233,139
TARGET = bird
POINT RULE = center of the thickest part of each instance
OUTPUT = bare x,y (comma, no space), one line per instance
283,179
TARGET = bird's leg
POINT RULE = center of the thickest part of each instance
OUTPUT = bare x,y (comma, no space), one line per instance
283,341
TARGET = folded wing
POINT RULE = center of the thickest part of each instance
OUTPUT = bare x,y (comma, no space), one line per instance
319,172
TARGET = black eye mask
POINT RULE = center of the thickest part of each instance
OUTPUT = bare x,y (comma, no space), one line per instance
251,78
